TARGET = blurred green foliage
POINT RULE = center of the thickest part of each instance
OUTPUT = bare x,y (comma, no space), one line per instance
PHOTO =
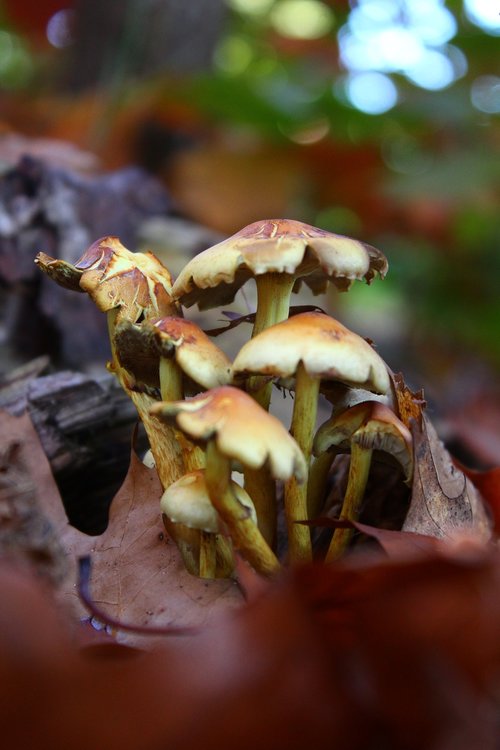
435,197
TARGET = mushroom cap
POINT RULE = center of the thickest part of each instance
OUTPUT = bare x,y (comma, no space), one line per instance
195,353
327,349
276,246
116,277
139,348
371,425
135,282
243,431
186,501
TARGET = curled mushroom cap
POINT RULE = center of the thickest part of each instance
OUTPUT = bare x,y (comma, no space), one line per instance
242,430
327,349
139,348
276,246
195,353
186,501
115,277
371,425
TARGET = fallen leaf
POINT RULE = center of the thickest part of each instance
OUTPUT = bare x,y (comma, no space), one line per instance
395,543
488,484
410,405
138,575
27,487
355,655
443,501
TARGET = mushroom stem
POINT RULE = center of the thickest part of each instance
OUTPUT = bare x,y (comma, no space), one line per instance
170,380
316,483
224,556
208,562
243,531
273,305
171,389
273,299
359,468
302,429
260,486
164,447
193,544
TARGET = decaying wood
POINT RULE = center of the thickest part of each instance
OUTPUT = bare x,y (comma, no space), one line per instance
85,426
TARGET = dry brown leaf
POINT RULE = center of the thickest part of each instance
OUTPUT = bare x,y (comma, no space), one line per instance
397,544
138,575
443,501
352,656
410,405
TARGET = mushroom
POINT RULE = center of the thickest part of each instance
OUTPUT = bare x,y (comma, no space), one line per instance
277,253
160,352
233,427
363,428
187,502
153,350
126,286
311,347
341,397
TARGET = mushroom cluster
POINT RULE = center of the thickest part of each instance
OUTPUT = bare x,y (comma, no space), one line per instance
207,417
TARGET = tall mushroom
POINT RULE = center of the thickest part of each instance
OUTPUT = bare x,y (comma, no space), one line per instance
362,429
310,347
278,253
126,286
233,427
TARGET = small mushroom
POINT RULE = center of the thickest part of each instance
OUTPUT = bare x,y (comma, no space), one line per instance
187,502
163,353
278,253
148,351
364,428
311,347
233,427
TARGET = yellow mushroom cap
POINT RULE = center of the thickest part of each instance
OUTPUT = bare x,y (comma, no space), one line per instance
242,430
195,353
139,348
186,501
276,246
115,277
372,425
327,349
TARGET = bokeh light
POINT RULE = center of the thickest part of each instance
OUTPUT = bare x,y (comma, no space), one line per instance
485,94
401,36
372,93
59,28
485,14
302,19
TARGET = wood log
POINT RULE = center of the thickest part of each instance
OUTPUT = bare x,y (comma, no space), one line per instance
85,425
